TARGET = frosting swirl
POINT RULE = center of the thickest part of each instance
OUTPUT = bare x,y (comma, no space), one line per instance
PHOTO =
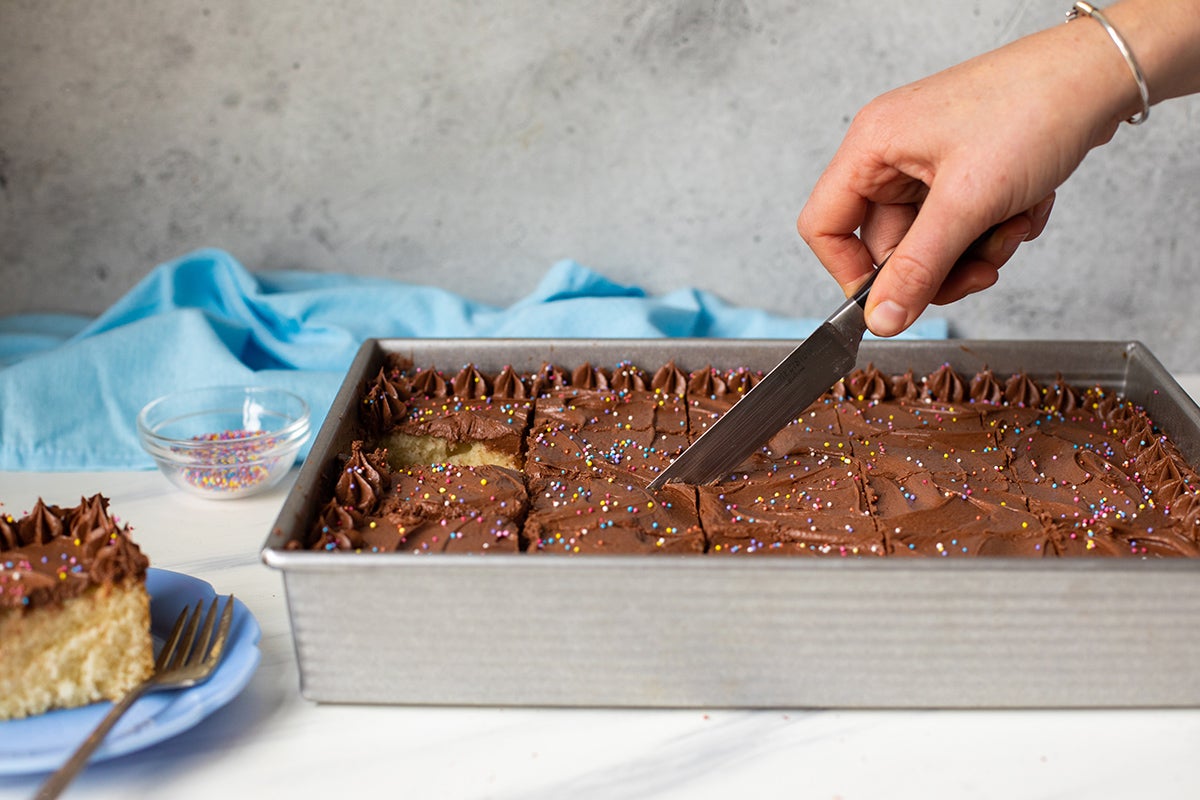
670,379
1020,390
335,528
945,385
1115,410
8,533
1159,466
471,383
868,384
382,406
905,387
741,380
985,388
1061,397
508,385
89,516
588,377
1186,508
360,483
548,379
707,382
41,526
430,383
53,554
628,378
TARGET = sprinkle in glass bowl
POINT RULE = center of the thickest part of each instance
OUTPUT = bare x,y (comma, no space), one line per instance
224,442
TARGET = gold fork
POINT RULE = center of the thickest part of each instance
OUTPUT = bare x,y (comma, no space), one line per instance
188,657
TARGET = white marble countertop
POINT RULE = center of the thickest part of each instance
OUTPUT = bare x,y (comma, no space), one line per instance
270,742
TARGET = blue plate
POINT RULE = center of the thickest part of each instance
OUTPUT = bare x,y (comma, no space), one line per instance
42,743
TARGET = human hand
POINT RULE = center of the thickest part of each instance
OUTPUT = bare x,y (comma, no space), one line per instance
950,174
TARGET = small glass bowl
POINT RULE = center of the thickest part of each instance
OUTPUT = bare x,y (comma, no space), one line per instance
226,441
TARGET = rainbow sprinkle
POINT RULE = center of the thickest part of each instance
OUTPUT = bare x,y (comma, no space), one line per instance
235,462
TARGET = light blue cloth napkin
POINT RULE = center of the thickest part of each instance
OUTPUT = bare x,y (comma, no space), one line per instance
71,388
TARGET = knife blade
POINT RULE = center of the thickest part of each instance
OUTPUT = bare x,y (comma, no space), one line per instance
821,360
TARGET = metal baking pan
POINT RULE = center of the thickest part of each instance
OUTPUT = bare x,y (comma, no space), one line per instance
729,632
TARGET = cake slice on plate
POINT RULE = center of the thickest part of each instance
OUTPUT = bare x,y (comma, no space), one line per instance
74,611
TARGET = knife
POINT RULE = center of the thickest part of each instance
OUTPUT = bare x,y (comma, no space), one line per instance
821,360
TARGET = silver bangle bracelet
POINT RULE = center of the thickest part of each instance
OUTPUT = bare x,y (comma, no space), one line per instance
1119,41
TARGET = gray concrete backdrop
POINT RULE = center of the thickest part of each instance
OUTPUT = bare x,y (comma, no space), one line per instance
472,144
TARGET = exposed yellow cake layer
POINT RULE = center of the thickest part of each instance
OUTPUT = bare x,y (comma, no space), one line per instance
93,647
405,450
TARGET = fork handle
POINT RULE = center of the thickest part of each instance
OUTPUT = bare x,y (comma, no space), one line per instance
66,773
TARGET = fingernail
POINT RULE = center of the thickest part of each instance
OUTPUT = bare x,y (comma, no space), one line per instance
887,318
1010,245
1042,209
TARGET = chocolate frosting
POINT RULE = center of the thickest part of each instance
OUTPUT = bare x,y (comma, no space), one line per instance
483,419
741,380
1061,397
905,387
1186,509
867,385
1020,390
584,432
945,385
397,365
8,534
443,508
670,379
1113,409
52,554
336,527
609,514
628,378
708,383
42,526
383,406
1160,466
588,377
548,379
985,388
90,516
939,466
509,385
360,483
471,383
430,383
806,504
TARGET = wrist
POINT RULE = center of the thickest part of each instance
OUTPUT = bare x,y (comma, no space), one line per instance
1084,9
1164,35
1113,71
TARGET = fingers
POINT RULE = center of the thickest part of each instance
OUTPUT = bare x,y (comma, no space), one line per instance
828,223
913,280
884,227
1039,215
931,222
940,234
979,268
966,278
